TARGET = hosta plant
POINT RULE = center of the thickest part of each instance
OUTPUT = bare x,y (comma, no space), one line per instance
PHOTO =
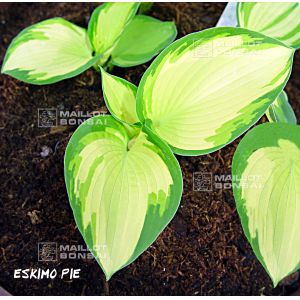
56,49
198,95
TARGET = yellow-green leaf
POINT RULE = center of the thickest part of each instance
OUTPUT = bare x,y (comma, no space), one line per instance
266,175
124,186
49,51
209,87
120,97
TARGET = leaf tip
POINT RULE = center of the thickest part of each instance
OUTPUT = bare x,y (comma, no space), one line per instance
108,273
275,282
107,276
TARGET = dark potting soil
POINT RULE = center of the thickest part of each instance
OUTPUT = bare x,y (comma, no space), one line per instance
202,252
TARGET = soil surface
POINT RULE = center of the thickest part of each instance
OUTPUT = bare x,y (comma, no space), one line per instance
202,252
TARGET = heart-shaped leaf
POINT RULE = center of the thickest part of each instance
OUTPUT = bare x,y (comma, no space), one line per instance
207,88
49,51
124,186
280,20
266,176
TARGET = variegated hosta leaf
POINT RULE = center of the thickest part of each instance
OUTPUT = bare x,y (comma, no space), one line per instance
120,97
275,19
142,39
281,111
266,174
207,88
107,23
49,51
124,187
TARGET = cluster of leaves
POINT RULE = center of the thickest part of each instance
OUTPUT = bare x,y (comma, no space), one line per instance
179,108
56,49
201,93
